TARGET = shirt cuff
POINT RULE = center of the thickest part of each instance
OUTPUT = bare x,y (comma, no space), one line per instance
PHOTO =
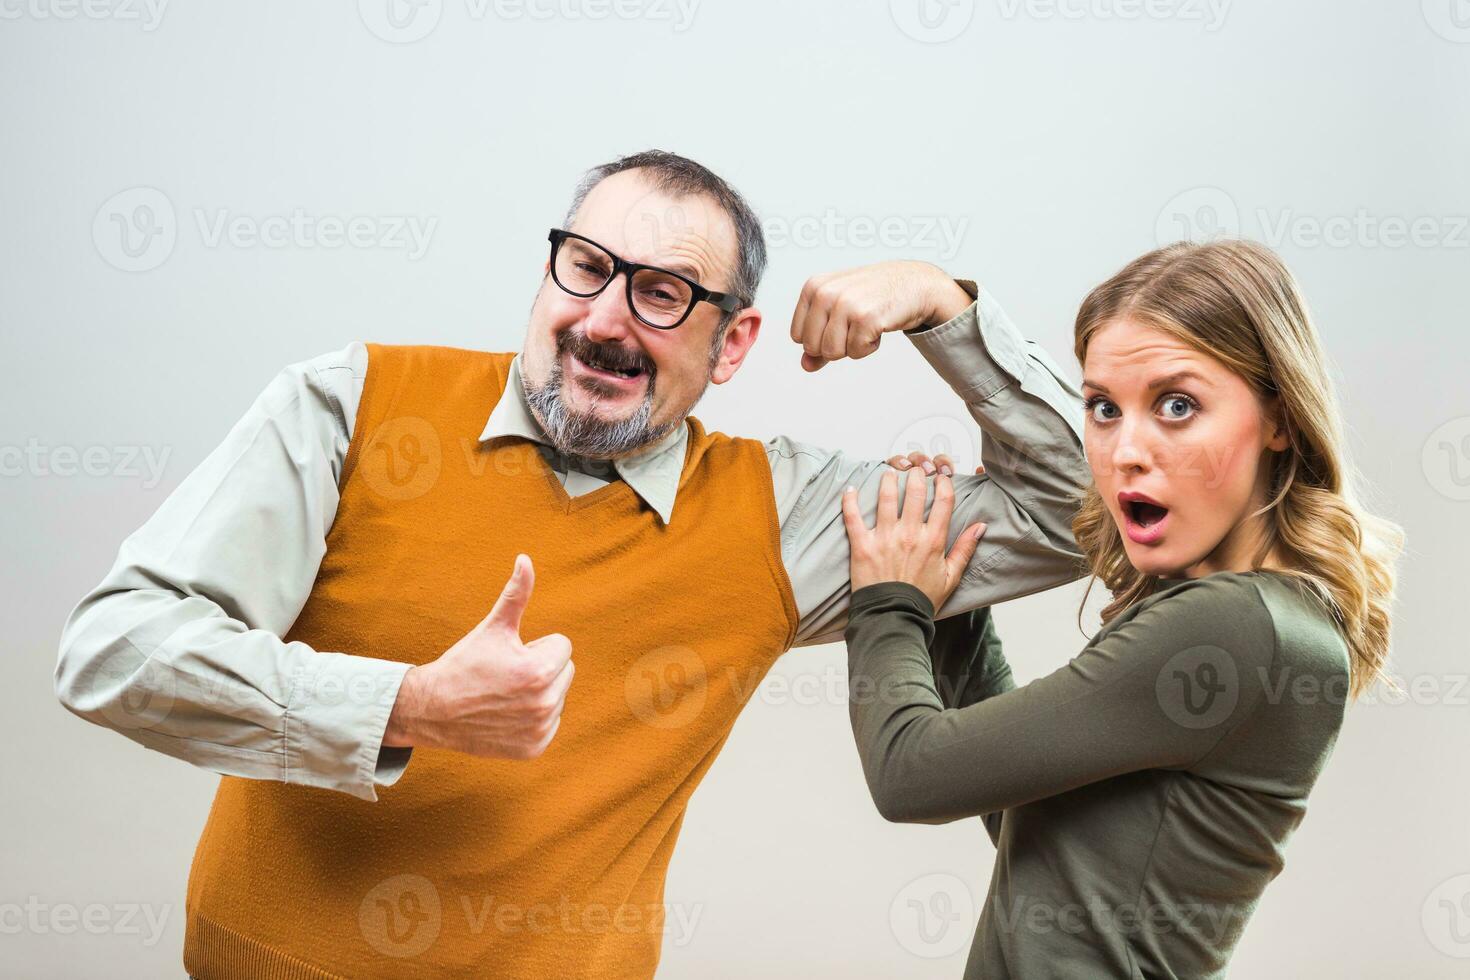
978,352
336,716
968,285
884,596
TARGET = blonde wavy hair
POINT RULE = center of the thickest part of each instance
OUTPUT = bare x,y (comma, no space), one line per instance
1235,301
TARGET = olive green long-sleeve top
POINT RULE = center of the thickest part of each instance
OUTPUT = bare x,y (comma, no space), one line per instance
1140,797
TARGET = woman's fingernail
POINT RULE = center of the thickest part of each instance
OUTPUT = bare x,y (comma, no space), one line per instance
947,470
904,464
928,467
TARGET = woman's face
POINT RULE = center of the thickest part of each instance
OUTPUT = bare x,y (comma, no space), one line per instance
1180,449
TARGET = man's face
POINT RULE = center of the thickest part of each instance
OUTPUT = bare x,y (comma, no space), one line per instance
572,342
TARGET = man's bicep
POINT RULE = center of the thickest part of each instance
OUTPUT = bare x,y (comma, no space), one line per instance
1014,557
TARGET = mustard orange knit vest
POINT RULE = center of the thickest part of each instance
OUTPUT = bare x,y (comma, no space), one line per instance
466,867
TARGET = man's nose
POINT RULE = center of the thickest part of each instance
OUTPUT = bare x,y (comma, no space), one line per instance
609,320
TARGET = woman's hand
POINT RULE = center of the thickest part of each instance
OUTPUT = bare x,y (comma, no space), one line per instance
903,546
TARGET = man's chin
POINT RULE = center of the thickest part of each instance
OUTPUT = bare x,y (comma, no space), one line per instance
587,406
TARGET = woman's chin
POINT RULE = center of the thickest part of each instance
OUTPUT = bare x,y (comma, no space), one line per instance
1153,561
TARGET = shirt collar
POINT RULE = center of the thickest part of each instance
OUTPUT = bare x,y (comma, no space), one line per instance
653,473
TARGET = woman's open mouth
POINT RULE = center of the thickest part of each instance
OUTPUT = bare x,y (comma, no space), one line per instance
1143,517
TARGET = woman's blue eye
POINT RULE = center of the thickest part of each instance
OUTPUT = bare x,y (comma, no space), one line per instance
1178,406
1175,408
1100,407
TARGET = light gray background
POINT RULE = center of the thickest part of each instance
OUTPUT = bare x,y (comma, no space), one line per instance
1060,140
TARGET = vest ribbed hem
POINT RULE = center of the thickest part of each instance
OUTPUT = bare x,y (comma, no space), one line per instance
216,952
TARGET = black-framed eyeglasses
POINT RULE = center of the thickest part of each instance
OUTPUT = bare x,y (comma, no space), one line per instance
657,297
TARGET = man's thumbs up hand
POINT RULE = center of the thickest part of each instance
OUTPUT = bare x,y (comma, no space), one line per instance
505,615
490,694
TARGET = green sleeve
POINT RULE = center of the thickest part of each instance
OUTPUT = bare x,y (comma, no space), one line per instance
969,666
1114,708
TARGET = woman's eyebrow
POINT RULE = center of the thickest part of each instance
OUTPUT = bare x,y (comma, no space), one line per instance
1157,383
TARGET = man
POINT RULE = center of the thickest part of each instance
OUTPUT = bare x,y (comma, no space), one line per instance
372,501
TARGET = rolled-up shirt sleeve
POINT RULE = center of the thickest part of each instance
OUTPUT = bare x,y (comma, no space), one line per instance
180,646
1035,473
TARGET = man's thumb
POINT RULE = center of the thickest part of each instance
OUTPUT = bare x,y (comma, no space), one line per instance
506,613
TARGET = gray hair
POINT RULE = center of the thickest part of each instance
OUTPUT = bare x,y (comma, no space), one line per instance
682,177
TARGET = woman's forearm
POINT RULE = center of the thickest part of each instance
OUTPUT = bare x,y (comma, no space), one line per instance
894,705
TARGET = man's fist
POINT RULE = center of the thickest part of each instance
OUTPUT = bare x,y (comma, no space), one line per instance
489,694
843,314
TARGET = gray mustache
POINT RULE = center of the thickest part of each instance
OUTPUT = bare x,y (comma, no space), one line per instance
613,355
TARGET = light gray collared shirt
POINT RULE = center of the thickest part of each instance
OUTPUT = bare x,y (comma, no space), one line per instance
179,647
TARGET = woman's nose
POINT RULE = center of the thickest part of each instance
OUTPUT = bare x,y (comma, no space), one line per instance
1131,451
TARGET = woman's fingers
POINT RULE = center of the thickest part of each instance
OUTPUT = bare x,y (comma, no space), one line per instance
923,461
943,507
941,463
852,516
915,489
963,550
888,499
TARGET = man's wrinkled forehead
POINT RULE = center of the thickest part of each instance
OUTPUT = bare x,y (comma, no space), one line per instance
635,219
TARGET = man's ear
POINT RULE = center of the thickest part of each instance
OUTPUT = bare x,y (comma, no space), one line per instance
739,337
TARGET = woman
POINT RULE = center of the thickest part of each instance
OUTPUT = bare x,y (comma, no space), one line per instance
1141,796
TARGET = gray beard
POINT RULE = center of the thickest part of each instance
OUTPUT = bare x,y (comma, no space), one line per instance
576,434
585,435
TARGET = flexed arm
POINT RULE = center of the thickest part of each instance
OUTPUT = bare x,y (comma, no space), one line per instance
1029,413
